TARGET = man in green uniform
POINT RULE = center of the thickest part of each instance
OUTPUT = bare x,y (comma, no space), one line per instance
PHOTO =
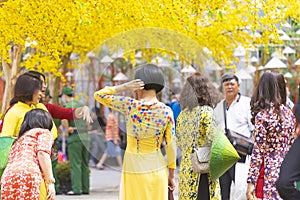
78,145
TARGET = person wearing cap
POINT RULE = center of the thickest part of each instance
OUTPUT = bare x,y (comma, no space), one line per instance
238,119
48,97
146,174
78,146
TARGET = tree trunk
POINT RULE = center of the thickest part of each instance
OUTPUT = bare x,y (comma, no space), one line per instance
56,93
10,72
7,90
57,82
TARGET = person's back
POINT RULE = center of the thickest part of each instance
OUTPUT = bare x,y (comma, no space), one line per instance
280,128
274,133
148,121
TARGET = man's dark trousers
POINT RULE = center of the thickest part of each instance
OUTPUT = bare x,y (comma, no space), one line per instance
226,181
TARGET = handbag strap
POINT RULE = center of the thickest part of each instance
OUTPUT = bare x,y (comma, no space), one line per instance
224,109
225,118
197,129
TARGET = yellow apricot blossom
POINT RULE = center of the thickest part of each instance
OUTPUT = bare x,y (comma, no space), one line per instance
57,28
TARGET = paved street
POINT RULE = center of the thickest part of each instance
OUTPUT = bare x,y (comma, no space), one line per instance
104,186
105,183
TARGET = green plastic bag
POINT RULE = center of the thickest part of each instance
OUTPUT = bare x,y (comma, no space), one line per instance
223,155
5,146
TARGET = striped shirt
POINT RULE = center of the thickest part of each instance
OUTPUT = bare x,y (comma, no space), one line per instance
112,127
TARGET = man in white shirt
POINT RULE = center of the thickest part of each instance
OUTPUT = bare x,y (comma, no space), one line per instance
238,119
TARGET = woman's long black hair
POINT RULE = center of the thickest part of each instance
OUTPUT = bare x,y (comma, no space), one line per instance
265,94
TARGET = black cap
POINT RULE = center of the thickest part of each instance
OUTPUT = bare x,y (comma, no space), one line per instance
229,76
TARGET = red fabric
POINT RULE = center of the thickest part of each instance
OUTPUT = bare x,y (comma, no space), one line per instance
58,112
260,183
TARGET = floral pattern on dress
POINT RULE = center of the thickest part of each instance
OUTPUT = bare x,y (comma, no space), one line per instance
186,126
142,118
273,137
22,176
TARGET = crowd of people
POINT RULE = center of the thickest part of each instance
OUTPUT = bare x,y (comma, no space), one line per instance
156,133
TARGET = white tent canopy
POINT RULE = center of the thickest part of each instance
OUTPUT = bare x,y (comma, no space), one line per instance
120,77
243,75
297,62
91,54
288,50
106,59
286,25
283,35
188,69
275,63
253,59
278,55
261,68
240,51
118,54
288,75
160,62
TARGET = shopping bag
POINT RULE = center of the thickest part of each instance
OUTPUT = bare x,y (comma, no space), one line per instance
239,188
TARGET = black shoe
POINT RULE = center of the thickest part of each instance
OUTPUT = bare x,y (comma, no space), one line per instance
86,193
72,193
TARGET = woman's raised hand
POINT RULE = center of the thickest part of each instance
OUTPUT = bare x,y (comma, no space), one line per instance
130,86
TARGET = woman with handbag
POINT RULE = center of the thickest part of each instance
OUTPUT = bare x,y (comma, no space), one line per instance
195,125
274,134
